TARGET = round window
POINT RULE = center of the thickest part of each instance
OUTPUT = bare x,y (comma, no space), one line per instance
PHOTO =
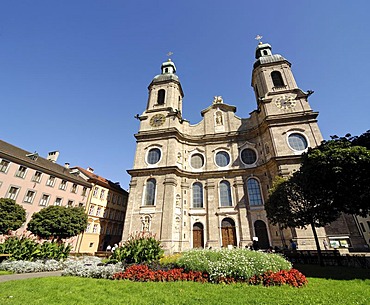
297,141
222,159
248,156
154,155
197,161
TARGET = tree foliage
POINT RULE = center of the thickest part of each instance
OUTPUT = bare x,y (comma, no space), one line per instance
58,222
333,178
342,170
12,215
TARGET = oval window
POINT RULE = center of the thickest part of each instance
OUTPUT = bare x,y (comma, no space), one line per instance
222,159
197,161
248,156
154,155
297,141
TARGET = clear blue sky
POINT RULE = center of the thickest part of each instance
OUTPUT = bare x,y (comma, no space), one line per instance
74,73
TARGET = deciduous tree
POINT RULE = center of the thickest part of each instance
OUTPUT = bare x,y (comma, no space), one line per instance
12,215
58,222
333,178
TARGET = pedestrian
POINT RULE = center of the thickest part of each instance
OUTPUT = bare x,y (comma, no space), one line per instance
326,245
293,245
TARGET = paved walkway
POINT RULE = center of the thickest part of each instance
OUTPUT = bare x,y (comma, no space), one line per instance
21,276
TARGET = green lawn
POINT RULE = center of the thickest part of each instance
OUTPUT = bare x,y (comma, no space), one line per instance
74,290
2,272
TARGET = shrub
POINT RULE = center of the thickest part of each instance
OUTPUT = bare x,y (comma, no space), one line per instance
140,248
28,267
91,267
27,249
238,264
169,259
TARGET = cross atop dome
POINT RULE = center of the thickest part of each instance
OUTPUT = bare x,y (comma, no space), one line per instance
259,37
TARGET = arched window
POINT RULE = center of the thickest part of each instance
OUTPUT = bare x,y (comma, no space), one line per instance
277,79
254,192
150,192
225,194
197,195
161,94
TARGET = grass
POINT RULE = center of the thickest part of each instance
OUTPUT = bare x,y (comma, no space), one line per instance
3,272
74,290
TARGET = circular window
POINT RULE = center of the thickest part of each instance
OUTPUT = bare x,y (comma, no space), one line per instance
222,159
248,156
154,155
197,161
297,141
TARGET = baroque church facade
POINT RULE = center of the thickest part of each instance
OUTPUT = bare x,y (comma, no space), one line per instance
205,185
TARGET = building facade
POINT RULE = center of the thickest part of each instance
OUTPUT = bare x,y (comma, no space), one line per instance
35,182
106,210
205,185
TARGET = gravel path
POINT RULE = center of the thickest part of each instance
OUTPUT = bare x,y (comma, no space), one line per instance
22,276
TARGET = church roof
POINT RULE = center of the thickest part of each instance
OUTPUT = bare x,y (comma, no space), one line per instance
268,59
264,55
165,77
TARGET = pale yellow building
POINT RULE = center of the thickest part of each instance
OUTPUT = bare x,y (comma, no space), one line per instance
106,209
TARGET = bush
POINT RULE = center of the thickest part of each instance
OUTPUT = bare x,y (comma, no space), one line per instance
140,248
238,264
28,267
169,259
24,248
91,267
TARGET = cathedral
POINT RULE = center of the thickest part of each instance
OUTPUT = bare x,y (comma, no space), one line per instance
204,185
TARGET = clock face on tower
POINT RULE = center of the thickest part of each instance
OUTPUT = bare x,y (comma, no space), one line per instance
285,102
157,120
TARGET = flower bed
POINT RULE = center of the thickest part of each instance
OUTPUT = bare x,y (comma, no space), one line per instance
239,264
292,277
28,267
142,273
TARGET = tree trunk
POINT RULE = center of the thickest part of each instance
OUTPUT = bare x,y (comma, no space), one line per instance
319,254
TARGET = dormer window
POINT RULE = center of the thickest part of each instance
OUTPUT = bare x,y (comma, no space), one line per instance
277,79
161,95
